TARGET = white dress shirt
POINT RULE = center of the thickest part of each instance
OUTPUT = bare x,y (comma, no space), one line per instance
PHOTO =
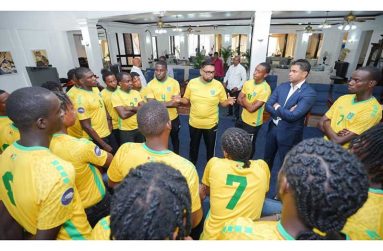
235,77
291,92
142,78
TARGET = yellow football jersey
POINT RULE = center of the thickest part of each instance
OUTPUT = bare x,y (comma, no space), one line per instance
356,117
253,92
122,98
367,222
163,92
9,133
75,130
102,229
246,229
130,155
204,99
234,192
144,94
107,98
4,121
88,178
38,190
89,105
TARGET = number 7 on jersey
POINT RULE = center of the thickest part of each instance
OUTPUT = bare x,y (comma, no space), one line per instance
240,189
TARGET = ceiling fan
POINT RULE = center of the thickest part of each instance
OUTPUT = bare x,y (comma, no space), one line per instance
191,30
349,21
309,29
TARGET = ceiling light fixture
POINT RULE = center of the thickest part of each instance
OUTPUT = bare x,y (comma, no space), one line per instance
177,29
325,24
348,23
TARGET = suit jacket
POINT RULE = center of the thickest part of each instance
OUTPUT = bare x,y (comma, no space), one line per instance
290,128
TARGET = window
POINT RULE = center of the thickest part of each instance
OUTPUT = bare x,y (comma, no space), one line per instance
281,45
128,45
193,41
175,46
314,45
239,43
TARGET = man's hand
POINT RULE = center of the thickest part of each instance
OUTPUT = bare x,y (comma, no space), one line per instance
293,108
276,106
176,99
343,132
231,100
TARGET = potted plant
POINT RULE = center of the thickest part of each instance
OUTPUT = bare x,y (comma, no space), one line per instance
226,53
199,58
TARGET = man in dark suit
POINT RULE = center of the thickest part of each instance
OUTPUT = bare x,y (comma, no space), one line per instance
288,106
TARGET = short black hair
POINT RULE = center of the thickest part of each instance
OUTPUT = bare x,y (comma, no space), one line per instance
368,148
267,66
374,72
134,74
151,203
121,75
26,105
303,64
237,144
52,86
207,62
216,53
152,118
81,72
71,74
329,185
106,74
163,63
2,91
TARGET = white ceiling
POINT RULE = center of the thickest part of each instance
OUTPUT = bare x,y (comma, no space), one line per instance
206,18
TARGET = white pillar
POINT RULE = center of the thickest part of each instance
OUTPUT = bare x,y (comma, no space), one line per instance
92,46
354,44
332,44
112,43
301,45
260,38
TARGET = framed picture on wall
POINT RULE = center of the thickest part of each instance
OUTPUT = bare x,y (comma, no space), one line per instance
41,58
7,66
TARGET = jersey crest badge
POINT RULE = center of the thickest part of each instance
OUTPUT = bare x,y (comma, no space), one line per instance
97,151
67,197
81,110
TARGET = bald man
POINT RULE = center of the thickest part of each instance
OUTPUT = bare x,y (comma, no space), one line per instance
137,68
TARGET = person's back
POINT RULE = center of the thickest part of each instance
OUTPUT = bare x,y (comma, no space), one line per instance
320,186
367,223
154,124
130,155
152,203
38,188
39,192
237,185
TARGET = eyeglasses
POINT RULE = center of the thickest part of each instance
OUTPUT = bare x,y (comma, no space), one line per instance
209,72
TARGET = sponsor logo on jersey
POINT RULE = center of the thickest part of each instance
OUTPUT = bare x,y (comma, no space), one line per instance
81,110
67,197
97,151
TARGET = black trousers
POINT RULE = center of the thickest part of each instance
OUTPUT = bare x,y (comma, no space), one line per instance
110,140
99,211
274,149
252,130
209,136
176,125
234,107
131,136
114,139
